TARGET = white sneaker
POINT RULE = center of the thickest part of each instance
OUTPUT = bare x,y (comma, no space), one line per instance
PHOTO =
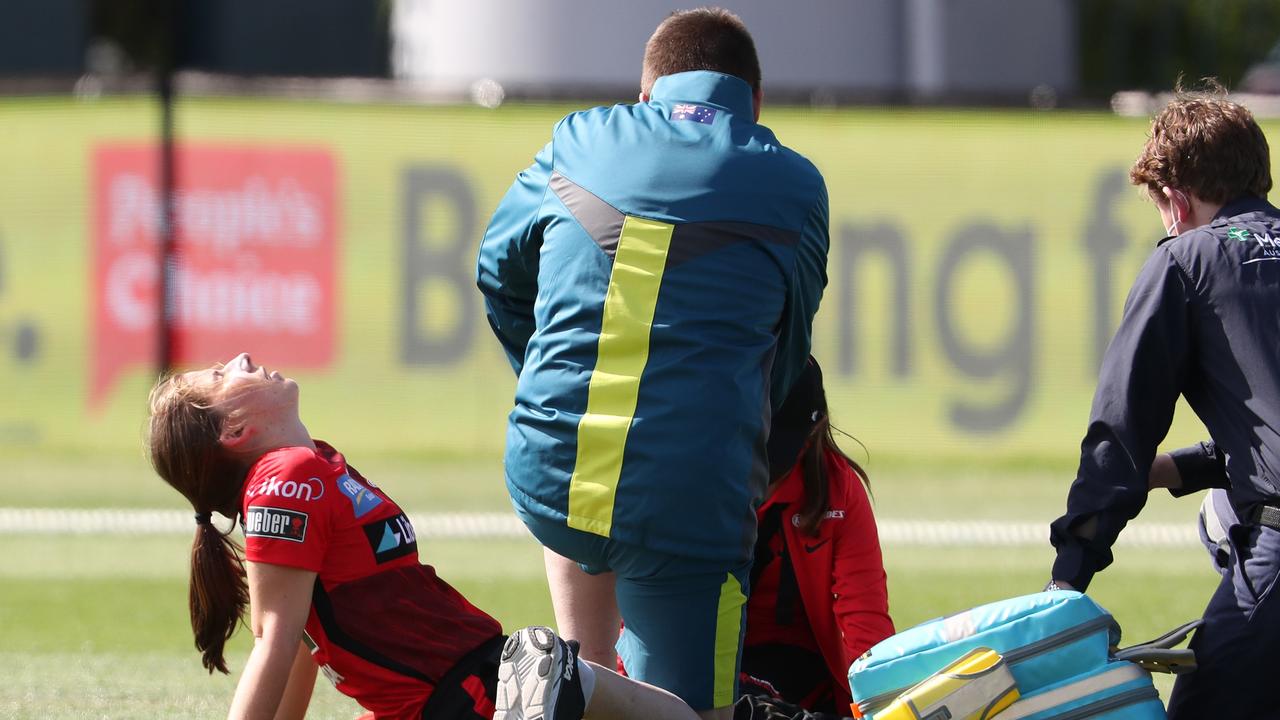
538,678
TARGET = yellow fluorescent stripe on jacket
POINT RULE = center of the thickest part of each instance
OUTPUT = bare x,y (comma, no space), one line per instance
728,640
622,352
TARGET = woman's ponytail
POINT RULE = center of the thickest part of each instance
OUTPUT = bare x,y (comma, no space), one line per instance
218,594
186,452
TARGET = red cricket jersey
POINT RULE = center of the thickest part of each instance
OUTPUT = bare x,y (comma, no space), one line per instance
384,628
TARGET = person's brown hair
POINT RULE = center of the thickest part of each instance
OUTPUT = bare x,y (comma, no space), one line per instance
707,38
817,488
185,452
1206,145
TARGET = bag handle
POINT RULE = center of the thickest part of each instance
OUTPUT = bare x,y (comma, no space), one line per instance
1160,655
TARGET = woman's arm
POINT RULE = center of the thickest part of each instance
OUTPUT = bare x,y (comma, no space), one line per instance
297,693
279,600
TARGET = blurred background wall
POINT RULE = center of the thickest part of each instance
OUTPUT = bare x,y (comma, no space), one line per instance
43,38
824,49
908,50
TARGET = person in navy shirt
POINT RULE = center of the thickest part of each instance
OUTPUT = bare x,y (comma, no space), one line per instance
1200,322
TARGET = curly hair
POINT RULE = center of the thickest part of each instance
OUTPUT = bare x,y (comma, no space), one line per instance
1206,145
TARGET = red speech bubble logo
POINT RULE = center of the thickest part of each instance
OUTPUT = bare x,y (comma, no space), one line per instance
254,262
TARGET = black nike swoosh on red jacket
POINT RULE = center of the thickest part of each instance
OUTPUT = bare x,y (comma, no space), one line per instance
811,548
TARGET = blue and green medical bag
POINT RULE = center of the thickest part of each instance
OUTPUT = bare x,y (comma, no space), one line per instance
1060,647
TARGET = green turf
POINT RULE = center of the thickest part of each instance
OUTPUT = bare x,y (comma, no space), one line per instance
129,686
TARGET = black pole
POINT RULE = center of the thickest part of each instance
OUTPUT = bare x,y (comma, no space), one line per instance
166,310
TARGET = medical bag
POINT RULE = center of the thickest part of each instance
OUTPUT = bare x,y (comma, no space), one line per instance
1059,642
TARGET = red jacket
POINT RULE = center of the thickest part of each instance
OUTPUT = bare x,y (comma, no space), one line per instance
839,573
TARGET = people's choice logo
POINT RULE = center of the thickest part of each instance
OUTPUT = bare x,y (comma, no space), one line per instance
253,264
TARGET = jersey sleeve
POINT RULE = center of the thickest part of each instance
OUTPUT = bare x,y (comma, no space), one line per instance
1201,466
287,513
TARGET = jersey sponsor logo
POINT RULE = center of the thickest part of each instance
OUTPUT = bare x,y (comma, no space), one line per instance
1269,245
828,515
1270,248
391,538
276,523
696,113
362,498
306,490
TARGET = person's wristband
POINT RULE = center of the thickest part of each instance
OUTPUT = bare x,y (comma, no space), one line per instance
1053,586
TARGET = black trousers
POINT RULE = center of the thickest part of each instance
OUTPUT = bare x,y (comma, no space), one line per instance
1236,648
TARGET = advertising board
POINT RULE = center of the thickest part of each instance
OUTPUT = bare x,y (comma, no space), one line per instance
979,262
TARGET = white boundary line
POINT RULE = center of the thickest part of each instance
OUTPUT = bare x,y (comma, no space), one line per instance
928,533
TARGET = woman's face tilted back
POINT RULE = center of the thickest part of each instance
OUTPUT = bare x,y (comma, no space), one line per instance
241,391
205,423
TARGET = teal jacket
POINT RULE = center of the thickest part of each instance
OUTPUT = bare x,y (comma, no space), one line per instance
653,278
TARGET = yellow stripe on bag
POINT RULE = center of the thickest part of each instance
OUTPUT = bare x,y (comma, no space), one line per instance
977,686
622,352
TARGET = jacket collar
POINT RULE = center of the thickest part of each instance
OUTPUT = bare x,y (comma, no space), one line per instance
1241,206
726,91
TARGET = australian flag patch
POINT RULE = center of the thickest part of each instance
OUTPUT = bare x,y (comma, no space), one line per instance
696,113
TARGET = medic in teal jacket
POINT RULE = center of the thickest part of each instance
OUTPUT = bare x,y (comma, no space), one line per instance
653,278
